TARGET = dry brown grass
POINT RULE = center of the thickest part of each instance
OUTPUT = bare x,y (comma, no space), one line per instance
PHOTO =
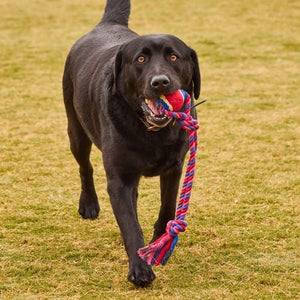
242,239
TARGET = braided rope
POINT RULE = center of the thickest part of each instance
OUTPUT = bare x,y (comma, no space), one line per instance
160,250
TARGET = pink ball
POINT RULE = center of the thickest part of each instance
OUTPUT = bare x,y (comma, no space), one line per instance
176,100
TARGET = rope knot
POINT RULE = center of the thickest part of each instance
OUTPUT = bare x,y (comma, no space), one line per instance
175,226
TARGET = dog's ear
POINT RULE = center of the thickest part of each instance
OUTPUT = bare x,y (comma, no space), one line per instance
117,68
118,63
196,74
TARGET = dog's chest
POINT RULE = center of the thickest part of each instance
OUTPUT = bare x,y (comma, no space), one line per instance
160,161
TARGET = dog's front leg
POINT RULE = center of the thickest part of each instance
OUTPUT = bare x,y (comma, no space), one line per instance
123,195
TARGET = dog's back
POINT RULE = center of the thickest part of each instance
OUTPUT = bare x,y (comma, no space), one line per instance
111,31
96,49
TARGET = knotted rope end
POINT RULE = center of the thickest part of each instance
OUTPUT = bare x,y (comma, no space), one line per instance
158,252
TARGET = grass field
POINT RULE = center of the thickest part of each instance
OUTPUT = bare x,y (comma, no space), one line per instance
242,240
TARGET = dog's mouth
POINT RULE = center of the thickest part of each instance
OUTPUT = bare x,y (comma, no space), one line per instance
153,116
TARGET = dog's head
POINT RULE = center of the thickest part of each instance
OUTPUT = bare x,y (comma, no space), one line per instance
152,65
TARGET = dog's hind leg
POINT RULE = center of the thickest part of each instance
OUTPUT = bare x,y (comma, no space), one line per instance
81,148
169,184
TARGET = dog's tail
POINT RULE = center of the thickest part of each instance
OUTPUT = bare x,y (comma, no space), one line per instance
116,11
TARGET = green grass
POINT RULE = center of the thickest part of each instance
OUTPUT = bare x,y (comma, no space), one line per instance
242,240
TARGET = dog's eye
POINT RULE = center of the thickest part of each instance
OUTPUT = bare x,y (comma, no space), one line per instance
173,57
141,59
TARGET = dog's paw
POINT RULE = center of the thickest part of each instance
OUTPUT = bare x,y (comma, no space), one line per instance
89,212
88,209
141,274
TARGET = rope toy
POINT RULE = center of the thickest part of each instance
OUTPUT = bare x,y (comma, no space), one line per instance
160,250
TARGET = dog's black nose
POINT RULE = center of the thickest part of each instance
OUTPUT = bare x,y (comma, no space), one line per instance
159,81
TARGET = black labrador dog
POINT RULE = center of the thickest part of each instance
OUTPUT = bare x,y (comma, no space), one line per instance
109,73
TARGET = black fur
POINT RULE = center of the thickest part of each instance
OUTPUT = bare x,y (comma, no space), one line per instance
104,87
